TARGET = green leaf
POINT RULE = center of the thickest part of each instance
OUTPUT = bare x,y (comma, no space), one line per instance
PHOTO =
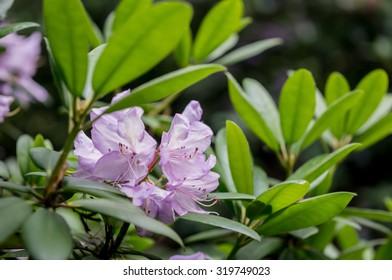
382,110
230,195
166,85
263,102
371,214
347,237
128,8
249,51
333,115
182,53
23,146
375,133
304,232
324,236
219,23
335,87
4,7
124,210
259,250
15,27
384,252
297,104
315,167
260,180
65,22
388,203
4,173
132,50
227,45
89,187
375,86
47,236
223,159
277,197
221,222
207,235
239,158
250,115
14,187
309,212
93,56
44,158
13,212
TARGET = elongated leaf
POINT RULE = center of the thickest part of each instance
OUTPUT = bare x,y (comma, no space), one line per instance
14,187
166,85
222,223
304,232
384,252
260,180
223,159
263,102
23,146
250,115
230,195
324,236
333,115
227,45
375,133
182,53
15,27
335,87
280,196
93,56
220,22
297,104
44,158
207,235
89,187
375,86
65,22
4,173
259,250
131,51
371,214
249,51
239,158
126,9
47,236
382,110
125,211
13,212
309,212
315,167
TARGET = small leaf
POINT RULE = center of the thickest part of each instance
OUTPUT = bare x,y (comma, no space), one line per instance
93,56
333,115
65,26
371,214
44,158
124,210
375,86
47,236
166,85
384,252
223,159
335,87
23,146
131,51
15,27
221,222
4,173
280,196
297,104
375,133
260,180
250,115
207,235
220,22
13,212
239,158
315,167
182,53
382,110
309,212
230,195
89,187
128,8
259,250
227,45
14,187
249,51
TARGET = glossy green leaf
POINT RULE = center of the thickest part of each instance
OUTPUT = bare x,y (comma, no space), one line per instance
377,226
13,212
47,236
65,22
375,86
371,214
259,250
240,160
263,102
384,252
23,146
223,160
221,222
44,158
304,233
131,51
15,27
260,180
127,8
382,110
89,187
93,56
182,53
333,115
230,195
297,104
93,33
166,85
124,210
227,45
335,87
388,203
309,212
375,133
315,167
220,22
323,186
278,197
249,51
323,237
207,235
250,115
347,237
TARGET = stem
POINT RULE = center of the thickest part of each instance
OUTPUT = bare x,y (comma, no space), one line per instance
234,251
119,239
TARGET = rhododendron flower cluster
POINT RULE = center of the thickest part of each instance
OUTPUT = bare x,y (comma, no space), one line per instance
18,59
122,153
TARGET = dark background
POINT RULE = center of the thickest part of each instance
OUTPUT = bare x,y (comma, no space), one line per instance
349,36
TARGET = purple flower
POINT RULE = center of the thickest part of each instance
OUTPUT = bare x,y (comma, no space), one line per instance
120,150
5,103
196,256
18,59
